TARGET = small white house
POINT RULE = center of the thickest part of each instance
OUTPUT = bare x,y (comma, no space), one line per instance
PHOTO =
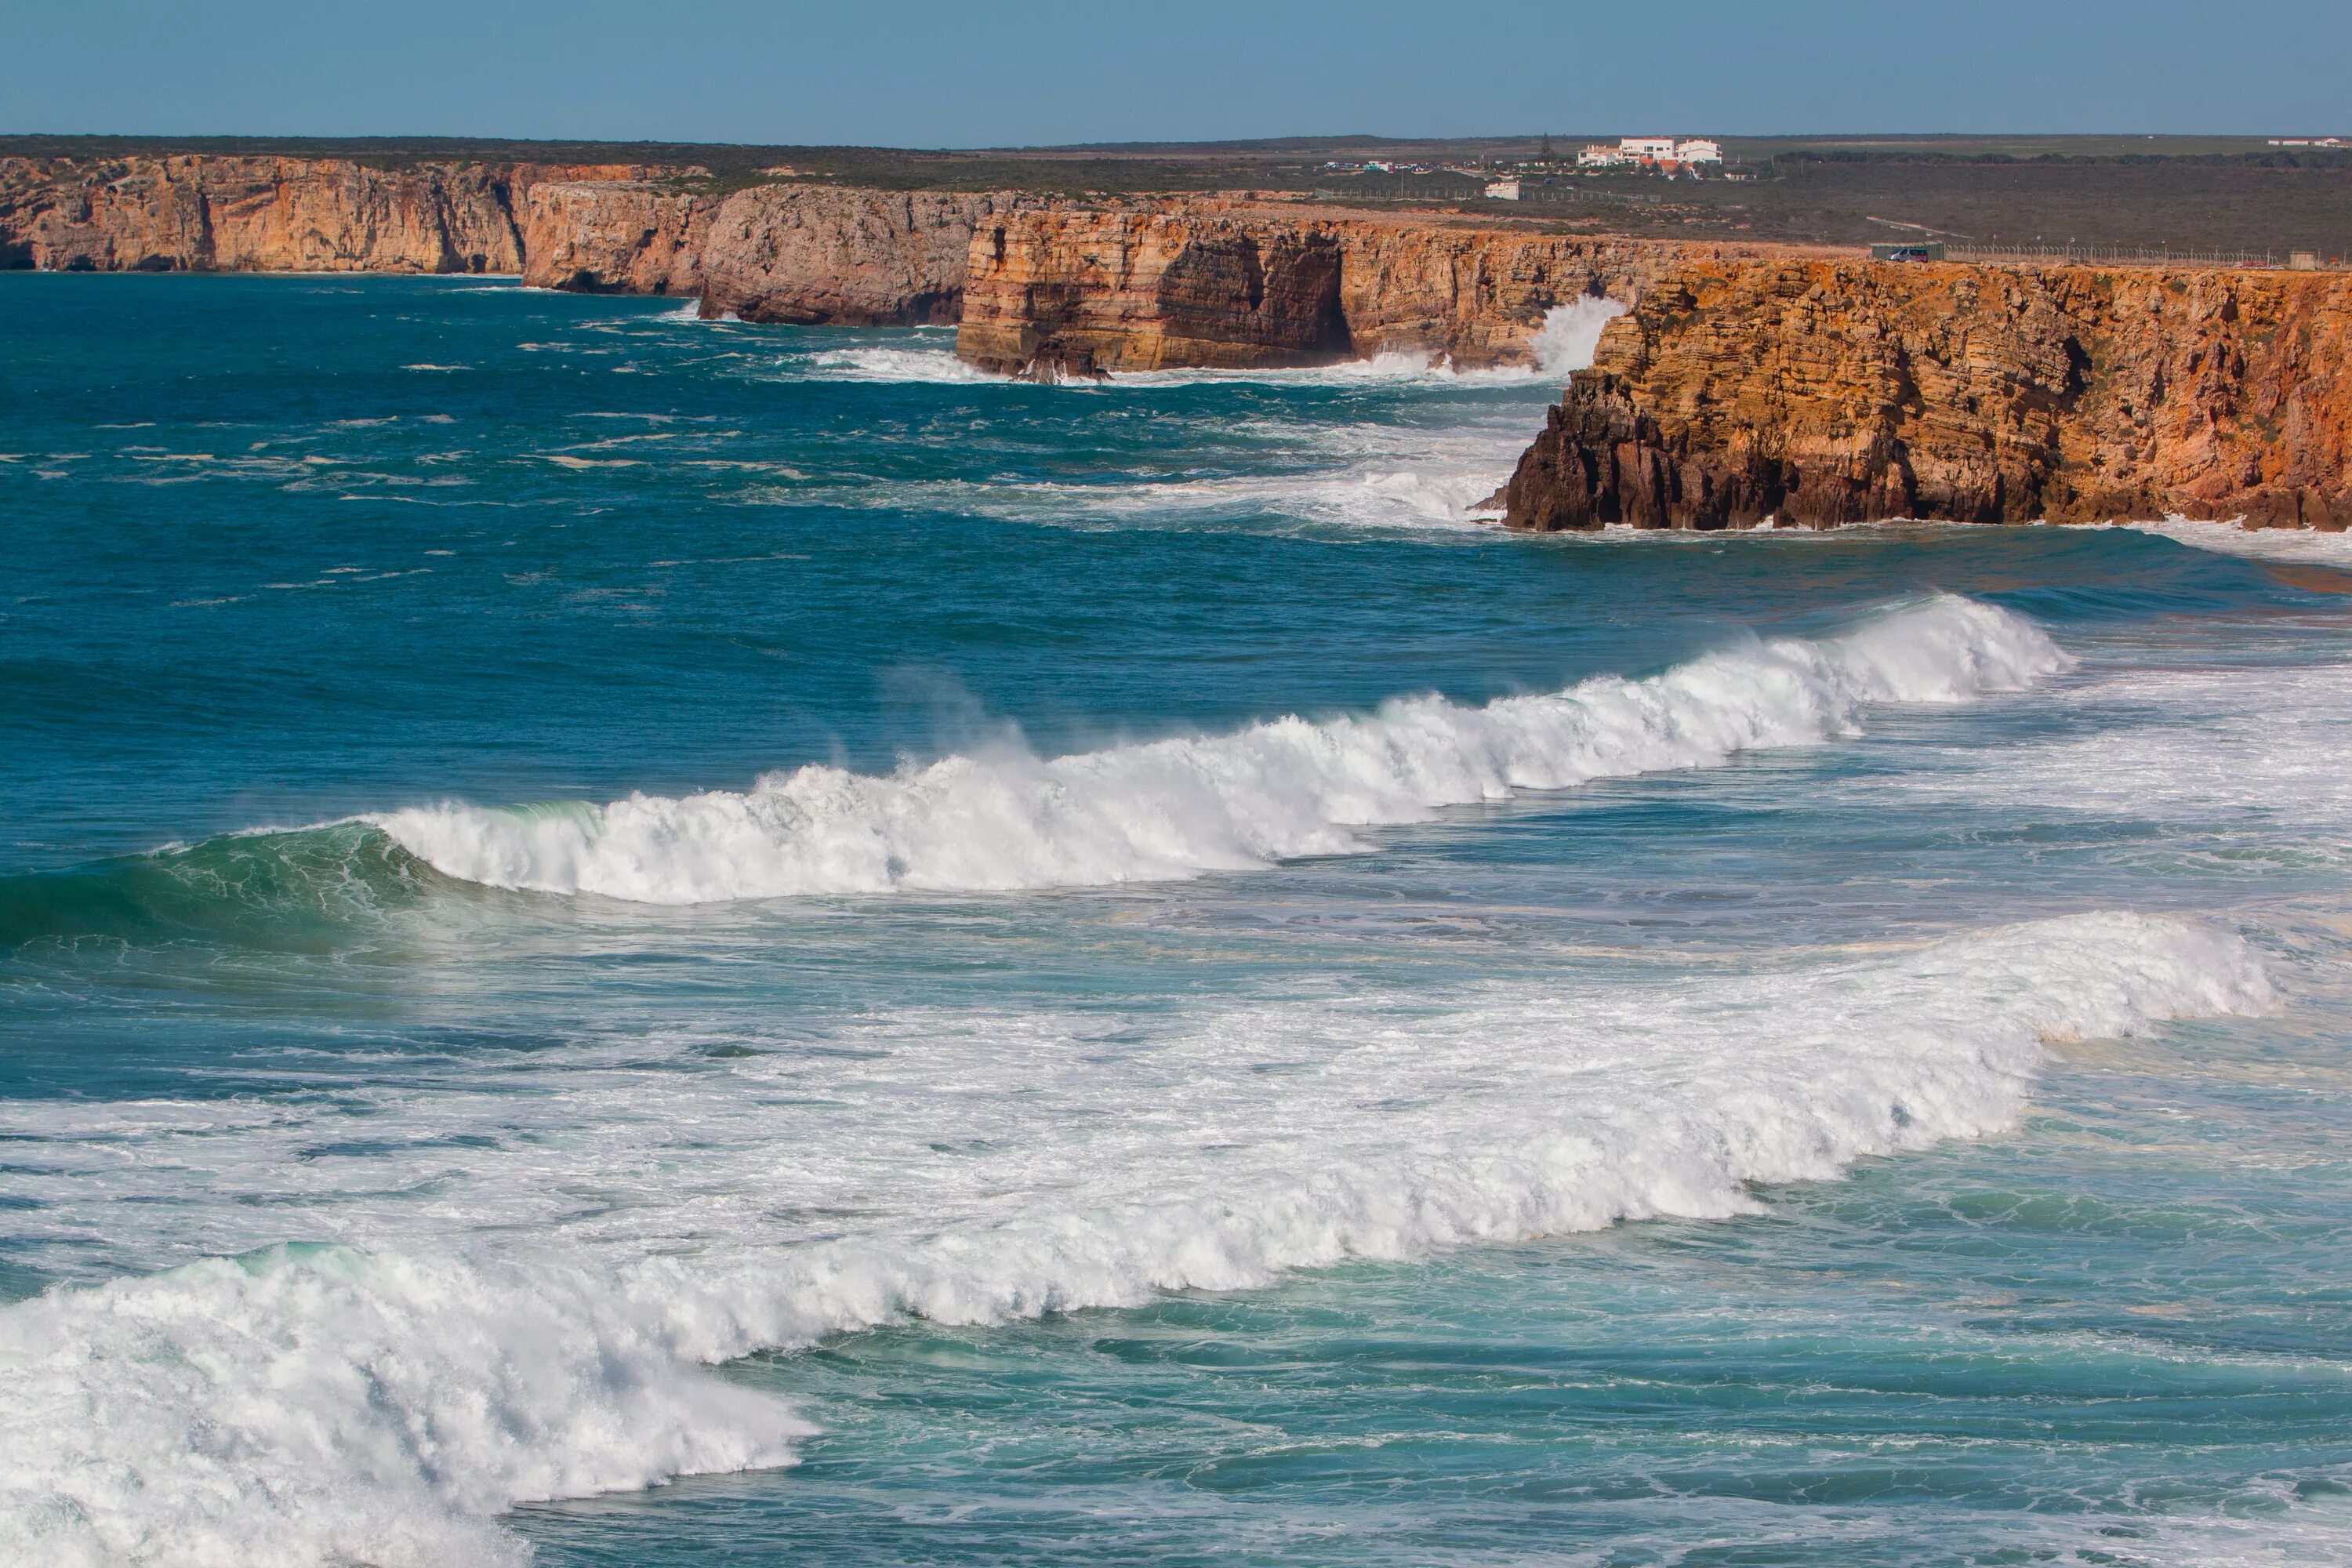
1603,158
1698,150
1503,190
1647,146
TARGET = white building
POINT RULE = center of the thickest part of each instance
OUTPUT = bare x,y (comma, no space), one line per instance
1651,150
1504,190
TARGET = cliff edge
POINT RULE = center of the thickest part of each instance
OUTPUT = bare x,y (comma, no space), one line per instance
614,236
818,254
1204,282
203,214
1818,392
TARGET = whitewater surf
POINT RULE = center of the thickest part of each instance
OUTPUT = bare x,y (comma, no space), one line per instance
680,941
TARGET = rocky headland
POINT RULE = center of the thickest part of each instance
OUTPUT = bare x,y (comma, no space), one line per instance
1816,393
208,214
1745,383
1153,286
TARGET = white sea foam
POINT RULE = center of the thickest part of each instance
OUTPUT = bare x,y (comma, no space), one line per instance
1379,474
2273,744
2296,545
889,364
1570,335
2303,1525
1351,477
1565,342
325,1405
941,365
337,1405
1004,818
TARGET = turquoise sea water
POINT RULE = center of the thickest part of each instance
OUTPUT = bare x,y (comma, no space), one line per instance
627,941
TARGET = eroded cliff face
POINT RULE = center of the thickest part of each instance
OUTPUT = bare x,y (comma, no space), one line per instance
813,255
792,253
1476,297
1744,384
609,236
235,213
1818,392
1076,292
1153,286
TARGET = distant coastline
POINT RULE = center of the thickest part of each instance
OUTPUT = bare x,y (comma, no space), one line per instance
2064,391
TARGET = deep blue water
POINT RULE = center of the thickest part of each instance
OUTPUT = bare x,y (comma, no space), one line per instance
577,845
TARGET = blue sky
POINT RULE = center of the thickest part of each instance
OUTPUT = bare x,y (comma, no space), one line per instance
1026,72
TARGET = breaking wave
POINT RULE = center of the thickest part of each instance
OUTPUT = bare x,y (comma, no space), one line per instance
1566,342
891,364
1004,819
2302,545
308,1405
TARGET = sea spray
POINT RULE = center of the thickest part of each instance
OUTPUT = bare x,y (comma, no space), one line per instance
1006,819
2300,545
1570,335
304,1405
584,1144
1564,342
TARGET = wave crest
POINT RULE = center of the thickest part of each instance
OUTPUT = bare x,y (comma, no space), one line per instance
311,1404
1005,819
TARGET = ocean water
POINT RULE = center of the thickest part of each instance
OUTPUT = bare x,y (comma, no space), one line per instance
627,941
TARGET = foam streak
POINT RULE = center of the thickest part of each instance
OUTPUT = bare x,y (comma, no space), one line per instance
300,1407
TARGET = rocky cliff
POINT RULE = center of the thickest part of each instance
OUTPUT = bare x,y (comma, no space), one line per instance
820,254
239,214
793,253
1818,392
1150,286
1744,384
614,236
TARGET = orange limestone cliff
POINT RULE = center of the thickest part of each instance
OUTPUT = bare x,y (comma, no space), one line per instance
263,213
1068,290
1818,393
779,252
812,255
614,236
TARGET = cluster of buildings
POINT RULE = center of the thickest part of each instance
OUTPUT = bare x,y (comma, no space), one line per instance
1664,154
1667,155
2308,141
1383,166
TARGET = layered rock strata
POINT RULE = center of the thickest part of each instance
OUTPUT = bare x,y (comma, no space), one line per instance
1053,287
260,213
794,253
811,255
609,236
1818,392
1150,287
